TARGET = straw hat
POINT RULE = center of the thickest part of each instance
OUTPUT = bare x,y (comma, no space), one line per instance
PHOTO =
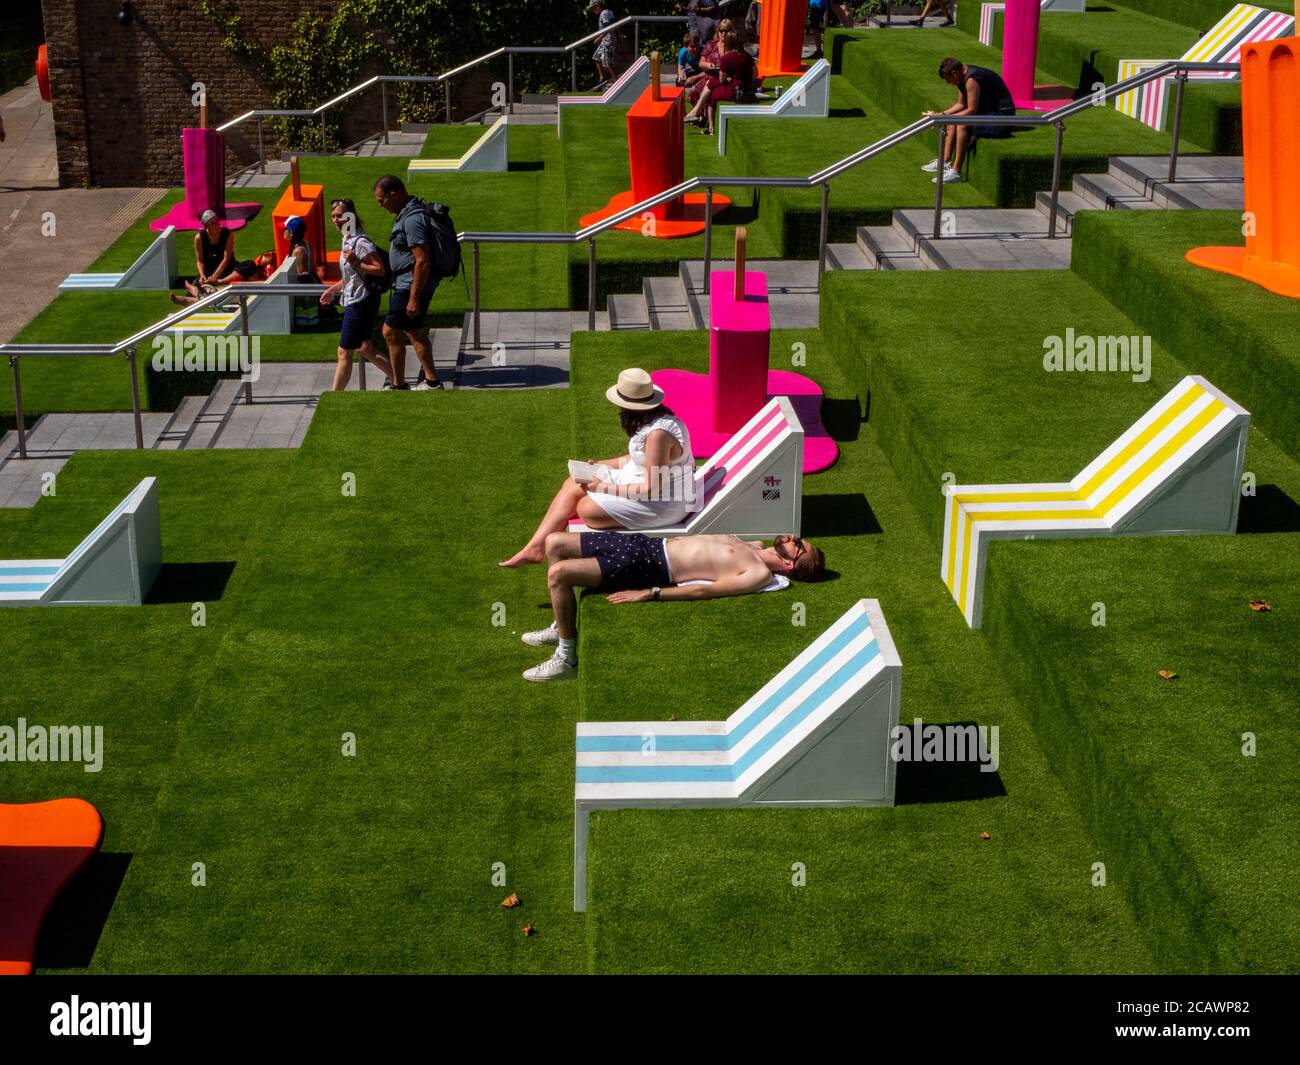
635,391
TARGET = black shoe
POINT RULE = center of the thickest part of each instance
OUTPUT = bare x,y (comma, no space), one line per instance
817,54
390,387
951,21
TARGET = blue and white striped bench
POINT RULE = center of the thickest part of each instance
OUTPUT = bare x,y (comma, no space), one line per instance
752,486
114,566
809,97
1244,24
817,734
623,92
489,154
155,269
988,12
1176,470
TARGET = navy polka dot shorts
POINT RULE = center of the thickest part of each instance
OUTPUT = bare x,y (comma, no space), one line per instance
628,561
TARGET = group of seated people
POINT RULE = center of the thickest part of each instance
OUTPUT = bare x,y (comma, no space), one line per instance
631,566
716,72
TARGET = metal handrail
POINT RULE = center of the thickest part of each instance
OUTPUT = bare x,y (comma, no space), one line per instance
822,179
242,290
509,51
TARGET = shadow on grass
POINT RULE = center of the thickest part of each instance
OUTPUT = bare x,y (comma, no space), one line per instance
919,782
191,582
526,165
1269,510
838,514
842,419
847,112
72,929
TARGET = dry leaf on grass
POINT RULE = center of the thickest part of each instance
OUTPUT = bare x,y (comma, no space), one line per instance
511,902
1166,674
672,717
529,930
1261,606
985,835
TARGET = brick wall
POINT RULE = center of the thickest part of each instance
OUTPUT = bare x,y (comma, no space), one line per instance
122,93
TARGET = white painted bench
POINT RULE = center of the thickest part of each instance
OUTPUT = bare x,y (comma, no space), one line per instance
809,97
114,566
489,154
267,315
1176,470
155,269
817,734
753,486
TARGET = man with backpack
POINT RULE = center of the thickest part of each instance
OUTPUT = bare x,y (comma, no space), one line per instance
422,251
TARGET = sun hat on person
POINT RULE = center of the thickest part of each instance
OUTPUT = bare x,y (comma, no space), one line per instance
635,391
208,216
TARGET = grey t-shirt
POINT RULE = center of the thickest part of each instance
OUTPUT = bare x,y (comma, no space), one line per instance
410,229
354,280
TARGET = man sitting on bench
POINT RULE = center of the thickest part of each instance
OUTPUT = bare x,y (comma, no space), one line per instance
980,91
638,569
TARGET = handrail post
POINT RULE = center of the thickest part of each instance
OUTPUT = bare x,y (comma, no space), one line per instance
591,284
261,147
573,71
1056,181
825,232
708,235
636,38
383,99
478,302
323,149
1178,126
361,372
135,400
243,329
938,184
20,423
447,100
510,83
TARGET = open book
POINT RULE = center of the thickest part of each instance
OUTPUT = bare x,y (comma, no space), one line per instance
586,472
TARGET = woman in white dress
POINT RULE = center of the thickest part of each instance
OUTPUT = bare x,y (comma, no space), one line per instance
651,486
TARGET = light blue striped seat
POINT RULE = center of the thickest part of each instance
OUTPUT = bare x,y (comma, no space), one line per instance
154,270
817,734
115,565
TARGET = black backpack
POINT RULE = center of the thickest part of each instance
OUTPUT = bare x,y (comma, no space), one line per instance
384,283
444,248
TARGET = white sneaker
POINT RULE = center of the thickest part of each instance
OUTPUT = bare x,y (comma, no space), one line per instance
950,177
932,167
424,386
547,637
557,667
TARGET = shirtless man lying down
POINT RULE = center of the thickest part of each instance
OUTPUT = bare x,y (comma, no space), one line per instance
636,569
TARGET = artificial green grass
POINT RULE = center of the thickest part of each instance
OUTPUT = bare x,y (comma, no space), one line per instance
1200,15
1240,335
908,889
898,73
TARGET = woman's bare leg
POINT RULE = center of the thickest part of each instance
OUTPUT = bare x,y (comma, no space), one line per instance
557,518
594,516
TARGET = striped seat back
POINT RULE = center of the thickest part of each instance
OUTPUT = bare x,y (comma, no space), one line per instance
742,453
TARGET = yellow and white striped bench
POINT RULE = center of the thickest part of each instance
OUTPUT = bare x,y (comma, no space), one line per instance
267,315
488,154
1176,471
1244,24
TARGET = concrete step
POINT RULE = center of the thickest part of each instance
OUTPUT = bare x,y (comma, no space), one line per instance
889,248
666,302
212,417
419,129
986,238
1067,204
791,289
628,311
1107,192
178,430
846,257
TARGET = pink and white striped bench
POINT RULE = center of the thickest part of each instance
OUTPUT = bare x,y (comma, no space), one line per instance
753,486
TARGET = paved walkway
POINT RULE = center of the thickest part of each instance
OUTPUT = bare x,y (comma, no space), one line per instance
27,156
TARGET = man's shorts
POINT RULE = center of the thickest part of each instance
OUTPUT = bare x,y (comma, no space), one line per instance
397,316
817,17
628,561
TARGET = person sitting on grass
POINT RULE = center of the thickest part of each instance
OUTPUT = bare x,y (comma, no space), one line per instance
688,61
214,261
362,272
636,569
980,91
735,81
653,484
